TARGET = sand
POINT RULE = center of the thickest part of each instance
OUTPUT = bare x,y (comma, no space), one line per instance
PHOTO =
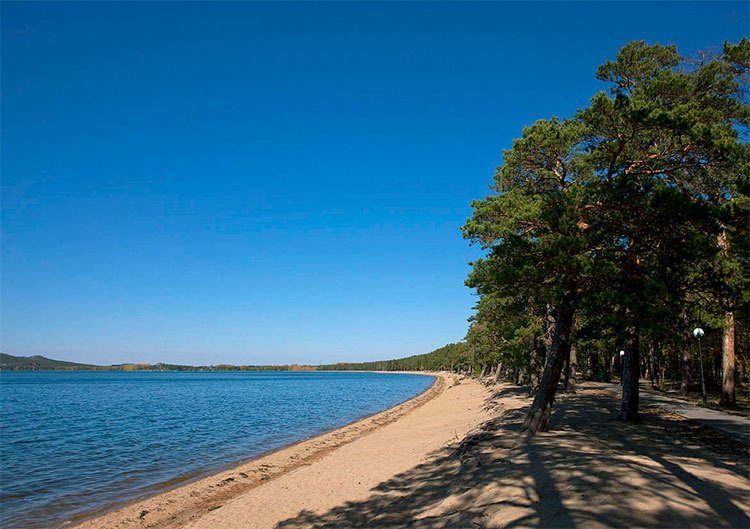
455,457
318,473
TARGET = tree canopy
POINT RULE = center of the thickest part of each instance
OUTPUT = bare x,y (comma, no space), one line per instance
618,229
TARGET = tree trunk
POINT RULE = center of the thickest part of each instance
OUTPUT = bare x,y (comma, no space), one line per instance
631,374
533,351
685,354
594,366
549,328
663,372
484,371
570,371
650,369
533,377
541,409
497,373
728,397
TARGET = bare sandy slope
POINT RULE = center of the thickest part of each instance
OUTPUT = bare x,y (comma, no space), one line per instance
317,474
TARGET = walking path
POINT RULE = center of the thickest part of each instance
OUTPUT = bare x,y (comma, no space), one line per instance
734,425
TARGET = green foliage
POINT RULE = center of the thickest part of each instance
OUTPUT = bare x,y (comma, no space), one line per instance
38,363
627,205
454,357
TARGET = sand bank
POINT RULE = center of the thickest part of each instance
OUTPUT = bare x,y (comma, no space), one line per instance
316,474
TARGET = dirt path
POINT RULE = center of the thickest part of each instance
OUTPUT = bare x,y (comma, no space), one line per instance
732,424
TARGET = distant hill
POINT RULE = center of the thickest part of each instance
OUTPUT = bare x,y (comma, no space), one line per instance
41,363
450,356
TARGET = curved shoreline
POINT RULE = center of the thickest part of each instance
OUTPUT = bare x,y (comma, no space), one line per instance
181,500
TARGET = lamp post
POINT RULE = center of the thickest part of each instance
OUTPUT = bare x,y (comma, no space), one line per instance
622,365
698,333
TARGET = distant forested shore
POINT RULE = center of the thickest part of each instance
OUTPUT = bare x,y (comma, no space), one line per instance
448,357
445,358
41,363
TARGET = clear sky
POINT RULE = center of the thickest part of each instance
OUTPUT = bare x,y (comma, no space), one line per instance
271,183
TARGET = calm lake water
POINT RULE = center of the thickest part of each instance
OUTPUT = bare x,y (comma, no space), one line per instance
71,443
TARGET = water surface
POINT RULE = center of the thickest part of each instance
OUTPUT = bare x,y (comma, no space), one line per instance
73,442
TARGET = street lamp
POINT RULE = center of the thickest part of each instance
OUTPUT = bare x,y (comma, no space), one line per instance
698,333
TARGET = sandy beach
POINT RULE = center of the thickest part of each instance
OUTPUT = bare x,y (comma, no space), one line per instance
319,473
455,456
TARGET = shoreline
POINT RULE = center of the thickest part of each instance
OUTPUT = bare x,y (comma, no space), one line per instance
218,485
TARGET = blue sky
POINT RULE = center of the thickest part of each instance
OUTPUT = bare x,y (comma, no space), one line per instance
272,183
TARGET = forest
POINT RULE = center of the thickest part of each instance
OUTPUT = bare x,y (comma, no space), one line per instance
610,236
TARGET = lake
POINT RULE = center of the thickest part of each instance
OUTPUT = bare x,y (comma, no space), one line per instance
74,442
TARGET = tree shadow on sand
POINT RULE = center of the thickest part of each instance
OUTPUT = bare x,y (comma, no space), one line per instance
588,471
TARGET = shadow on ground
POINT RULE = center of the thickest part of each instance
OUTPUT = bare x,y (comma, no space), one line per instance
588,471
